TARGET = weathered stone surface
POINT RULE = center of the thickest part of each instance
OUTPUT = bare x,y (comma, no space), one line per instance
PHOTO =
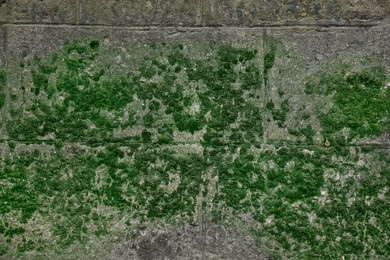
2,44
58,194
172,60
112,131
3,83
141,13
302,53
26,41
2,11
293,12
41,11
185,242
195,13
364,10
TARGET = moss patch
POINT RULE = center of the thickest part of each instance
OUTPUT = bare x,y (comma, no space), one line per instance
103,141
3,81
360,103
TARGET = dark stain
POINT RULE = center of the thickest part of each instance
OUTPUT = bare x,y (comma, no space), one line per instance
158,248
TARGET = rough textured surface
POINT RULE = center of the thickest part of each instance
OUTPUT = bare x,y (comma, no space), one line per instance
40,11
2,12
140,12
245,131
194,142
187,242
2,44
296,63
23,42
292,12
195,13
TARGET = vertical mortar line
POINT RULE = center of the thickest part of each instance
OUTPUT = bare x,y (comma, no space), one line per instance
5,43
4,28
203,12
198,15
264,52
2,59
203,232
78,10
204,219
202,223
4,114
265,84
7,12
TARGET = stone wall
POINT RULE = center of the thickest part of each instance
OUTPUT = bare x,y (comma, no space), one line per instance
196,13
196,129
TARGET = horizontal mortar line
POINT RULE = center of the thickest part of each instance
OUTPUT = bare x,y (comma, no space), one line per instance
185,28
123,142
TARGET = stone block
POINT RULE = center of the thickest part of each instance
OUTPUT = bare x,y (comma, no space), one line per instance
114,129
141,13
307,65
149,76
24,42
293,12
44,11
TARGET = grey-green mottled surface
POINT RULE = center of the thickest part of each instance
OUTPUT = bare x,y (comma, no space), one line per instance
2,45
194,143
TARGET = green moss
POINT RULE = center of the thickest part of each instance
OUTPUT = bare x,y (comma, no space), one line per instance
3,82
19,196
146,136
295,179
88,93
165,134
47,69
279,115
40,81
3,250
179,59
230,54
26,246
154,105
94,44
188,123
85,177
360,102
11,232
270,105
308,132
269,59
